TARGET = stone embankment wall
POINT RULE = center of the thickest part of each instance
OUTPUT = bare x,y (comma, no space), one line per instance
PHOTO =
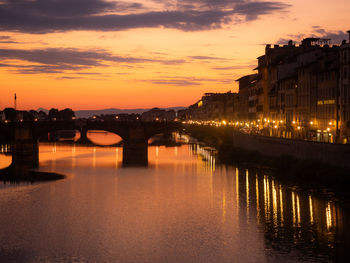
334,154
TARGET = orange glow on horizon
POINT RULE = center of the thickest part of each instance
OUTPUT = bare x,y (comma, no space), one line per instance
150,67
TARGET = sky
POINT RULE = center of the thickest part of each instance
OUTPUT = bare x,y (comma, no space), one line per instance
97,54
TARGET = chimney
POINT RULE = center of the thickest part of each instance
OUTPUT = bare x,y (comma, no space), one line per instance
349,35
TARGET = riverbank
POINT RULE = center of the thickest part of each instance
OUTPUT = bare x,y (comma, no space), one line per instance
22,175
304,173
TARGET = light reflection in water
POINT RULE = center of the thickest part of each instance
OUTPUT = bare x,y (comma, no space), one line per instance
293,209
311,210
298,209
194,193
247,190
73,156
116,157
274,204
328,216
257,198
281,205
237,187
94,157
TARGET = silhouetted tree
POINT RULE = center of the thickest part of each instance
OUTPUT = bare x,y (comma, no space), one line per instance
10,114
42,115
66,114
53,114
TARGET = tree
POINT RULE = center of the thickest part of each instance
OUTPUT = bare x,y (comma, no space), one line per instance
53,114
66,114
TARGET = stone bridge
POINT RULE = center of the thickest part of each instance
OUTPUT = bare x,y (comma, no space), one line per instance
135,135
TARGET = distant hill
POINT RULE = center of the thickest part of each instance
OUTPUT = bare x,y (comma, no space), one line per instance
90,113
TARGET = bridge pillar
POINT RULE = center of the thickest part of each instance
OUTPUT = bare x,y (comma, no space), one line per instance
135,147
83,135
25,151
135,153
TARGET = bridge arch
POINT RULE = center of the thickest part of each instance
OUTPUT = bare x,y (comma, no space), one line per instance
135,137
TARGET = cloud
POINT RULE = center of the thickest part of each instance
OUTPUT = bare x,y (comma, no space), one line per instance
7,40
176,82
234,67
44,16
58,60
336,37
206,58
41,69
188,81
252,10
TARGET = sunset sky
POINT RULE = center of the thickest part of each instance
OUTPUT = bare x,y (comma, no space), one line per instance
95,54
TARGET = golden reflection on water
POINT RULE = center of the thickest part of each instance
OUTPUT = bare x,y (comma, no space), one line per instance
5,160
328,216
257,198
311,210
237,187
293,209
103,137
279,209
281,205
247,190
298,209
274,203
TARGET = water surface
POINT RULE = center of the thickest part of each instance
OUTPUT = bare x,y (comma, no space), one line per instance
184,207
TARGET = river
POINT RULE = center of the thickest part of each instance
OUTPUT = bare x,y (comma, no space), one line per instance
183,207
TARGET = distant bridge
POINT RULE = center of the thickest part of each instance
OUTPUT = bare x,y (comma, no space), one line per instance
135,135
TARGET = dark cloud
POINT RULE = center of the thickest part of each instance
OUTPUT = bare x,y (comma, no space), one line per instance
58,60
5,37
206,58
176,82
43,16
336,37
40,69
188,81
252,10
234,67
7,40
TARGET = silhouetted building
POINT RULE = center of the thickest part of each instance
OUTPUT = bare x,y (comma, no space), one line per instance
344,90
248,97
212,106
157,114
